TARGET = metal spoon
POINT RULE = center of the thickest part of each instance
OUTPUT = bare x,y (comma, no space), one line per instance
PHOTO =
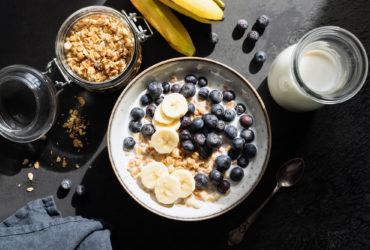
287,175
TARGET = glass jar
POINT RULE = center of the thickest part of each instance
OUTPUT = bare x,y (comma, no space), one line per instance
328,65
28,97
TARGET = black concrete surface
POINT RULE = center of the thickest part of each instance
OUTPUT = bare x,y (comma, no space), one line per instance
329,209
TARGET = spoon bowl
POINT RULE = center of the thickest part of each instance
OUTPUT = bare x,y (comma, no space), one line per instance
290,172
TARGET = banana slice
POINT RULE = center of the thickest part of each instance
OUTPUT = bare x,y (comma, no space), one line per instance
174,125
164,140
167,189
174,105
151,173
159,116
187,182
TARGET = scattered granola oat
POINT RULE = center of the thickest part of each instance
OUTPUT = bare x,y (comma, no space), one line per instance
77,143
64,163
43,138
30,176
30,189
77,166
58,159
19,185
81,100
75,127
25,161
36,165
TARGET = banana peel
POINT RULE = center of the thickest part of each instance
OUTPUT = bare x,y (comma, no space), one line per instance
167,24
205,11
220,4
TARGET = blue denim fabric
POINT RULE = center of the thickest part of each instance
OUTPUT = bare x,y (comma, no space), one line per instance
39,225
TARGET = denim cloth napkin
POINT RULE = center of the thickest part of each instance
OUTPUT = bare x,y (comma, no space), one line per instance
39,225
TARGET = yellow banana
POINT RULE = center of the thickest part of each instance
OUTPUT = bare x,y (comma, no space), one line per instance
167,24
220,4
205,11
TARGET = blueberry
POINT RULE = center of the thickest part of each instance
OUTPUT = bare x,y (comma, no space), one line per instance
166,87
242,24
80,190
260,57
186,122
199,139
249,150
220,126
253,36
146,99
205,151
185,135
150,110
223,163
247,134
201,181
203,93
190,78
137,113
202,81
128,143
188,146
238,143
231,131
223,186
147,130
228,95
214,140
176,88
236,174
134,126
233,153
215,96
215,176
218,110
246,121
66,184
191,108
263,21
240,108
213,38
188,90
210,121
229,115
243,161
197,124
155,89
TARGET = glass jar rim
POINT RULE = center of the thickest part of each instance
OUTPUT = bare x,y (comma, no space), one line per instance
303,42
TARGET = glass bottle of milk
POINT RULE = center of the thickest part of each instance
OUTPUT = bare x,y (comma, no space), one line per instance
328,65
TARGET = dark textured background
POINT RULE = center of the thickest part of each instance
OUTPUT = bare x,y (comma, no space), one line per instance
329,209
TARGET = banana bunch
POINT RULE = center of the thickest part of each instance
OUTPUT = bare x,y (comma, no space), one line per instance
159,15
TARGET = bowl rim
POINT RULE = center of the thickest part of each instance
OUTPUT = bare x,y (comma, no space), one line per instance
132,82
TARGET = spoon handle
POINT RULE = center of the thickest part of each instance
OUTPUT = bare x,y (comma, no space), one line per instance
237,234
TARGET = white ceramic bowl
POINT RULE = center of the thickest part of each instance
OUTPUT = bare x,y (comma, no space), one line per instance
215,73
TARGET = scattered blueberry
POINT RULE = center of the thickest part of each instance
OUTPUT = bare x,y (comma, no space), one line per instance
197,124
203,93
228,95
80,190
236,174
186,122
253,36
214,140
263,21
238,144
213,38
243,161
240,108
190,78
159,100
218,110
247,134
176,88
185,135
202,81
242,24
137,113
246,121
166,87
210,121
205,151
191,108
260,57
146,99
215,176
188,90
150,110
188,146
231,131
147,130
199,139
233,153
215,96
66,184
229,115
134,126
220,126
128,143
249,150
223,186
201,181
223,163
155,89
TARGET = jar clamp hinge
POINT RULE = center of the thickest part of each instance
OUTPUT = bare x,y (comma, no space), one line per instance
142,33
50,70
